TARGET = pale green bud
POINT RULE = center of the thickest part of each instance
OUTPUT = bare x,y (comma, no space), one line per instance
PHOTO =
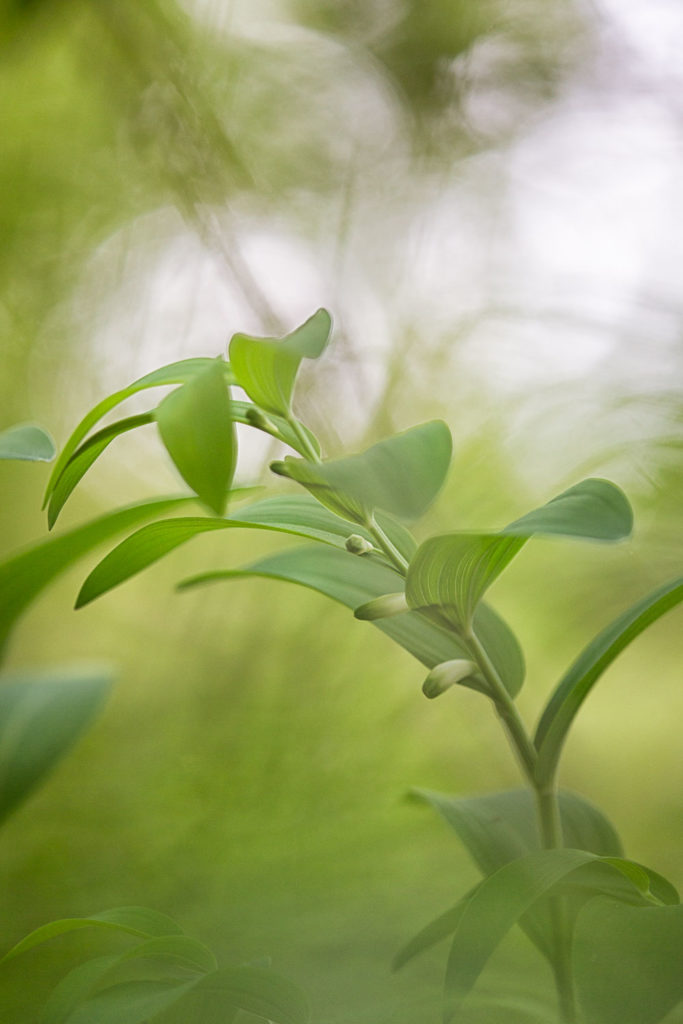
358,545
445,675
382,607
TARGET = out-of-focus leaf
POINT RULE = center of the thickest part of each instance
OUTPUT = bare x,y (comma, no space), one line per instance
26,442
174,373
354,580
140,921
80,983
41,717
400,475
131,1002
266,368
298,515
252,989
196,426
627,962
454,571
24,576
501,900
575,686
437,930
82,459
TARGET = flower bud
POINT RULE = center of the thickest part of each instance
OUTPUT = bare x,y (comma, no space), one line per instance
445,675
256,418
358,545
382,607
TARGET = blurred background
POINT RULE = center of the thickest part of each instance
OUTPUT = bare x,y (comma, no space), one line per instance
487,195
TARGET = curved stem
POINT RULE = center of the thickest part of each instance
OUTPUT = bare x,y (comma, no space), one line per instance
389,549
307,449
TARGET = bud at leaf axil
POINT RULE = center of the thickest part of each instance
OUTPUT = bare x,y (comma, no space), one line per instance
445,675
382,607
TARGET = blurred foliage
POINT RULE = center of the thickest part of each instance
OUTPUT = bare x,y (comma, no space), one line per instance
248,774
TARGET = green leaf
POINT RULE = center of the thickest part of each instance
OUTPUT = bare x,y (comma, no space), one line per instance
82,459
437,930
454,571
139,921
252,989
266,368
41,717
298,515
195,423
24,576
276,426
627,962
79,984
26,442
174,373
500,901
131,1002
577,683
400,475
354,580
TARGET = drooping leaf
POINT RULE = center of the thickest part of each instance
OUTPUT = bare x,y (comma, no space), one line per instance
501,900
400,475
82,459
25,575
437,930
627,962
174,373
454,571
354,580
196,425
41,717
26,442
266,368
298,515
130,1002
140,921
575,686
80,983
254,990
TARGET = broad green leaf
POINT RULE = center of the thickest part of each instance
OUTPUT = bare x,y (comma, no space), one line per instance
174,373
400,475
353,580
196,425
575,686
140,921
26,442
627,962
298,515
25,575
502,899
266,368
80,983
500,827
437,930
131,1002
455,570
82,459
41,717
252,989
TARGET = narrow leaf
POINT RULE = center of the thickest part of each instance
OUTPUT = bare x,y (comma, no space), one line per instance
25,575
400,475
41,717
437,930
627,962
82,459
131,1002
251,989
354,580
174,373
139,921
196,426
26,442
575,686
266,368
455,570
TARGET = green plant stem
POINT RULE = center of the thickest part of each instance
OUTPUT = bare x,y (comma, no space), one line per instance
548,810
389,549
307,449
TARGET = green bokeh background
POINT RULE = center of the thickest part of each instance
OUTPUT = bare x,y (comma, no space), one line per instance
249,773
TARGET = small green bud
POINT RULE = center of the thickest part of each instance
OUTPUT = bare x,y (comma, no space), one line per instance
445,675
382,607
256,418
358,545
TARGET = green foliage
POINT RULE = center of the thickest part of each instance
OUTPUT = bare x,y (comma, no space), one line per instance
28,443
